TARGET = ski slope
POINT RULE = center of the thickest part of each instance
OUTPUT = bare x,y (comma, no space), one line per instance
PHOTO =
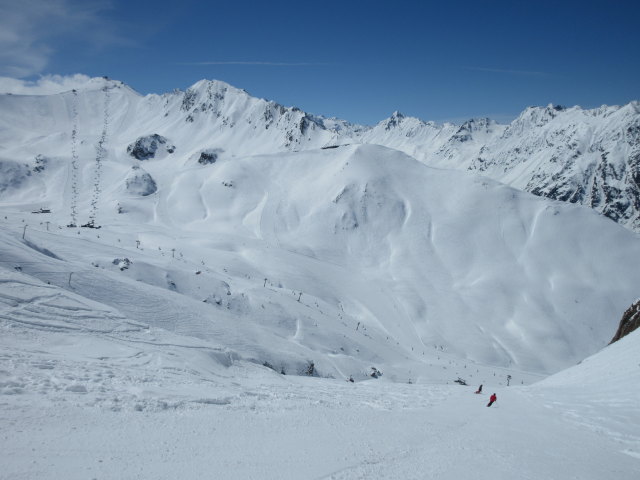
86,394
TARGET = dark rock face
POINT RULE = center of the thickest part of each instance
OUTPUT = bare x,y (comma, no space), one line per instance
394,120
207,157
468,128
630,321
145,148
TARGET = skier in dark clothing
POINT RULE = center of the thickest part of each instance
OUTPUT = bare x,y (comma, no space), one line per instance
479,389
492,399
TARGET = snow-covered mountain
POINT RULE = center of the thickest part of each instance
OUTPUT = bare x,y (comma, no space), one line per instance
423,257
210,114
589,157
244,247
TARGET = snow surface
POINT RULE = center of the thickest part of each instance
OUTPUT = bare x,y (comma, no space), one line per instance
173,341
85,394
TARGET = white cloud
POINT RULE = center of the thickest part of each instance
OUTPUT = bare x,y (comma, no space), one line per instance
45,85
32,30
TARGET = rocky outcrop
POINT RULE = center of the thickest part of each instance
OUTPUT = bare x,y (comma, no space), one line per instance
145,148
630,321
208,157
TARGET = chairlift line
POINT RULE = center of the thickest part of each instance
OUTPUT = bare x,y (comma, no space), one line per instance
74,160
101,153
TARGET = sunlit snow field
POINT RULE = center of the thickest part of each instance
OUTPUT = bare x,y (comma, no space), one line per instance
209,329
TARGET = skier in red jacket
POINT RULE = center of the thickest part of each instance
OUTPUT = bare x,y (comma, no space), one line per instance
492,399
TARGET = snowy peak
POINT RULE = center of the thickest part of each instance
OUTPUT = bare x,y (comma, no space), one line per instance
394,120
473,128
399,122
209,95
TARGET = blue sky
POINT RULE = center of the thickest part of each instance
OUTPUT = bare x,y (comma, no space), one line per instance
354,59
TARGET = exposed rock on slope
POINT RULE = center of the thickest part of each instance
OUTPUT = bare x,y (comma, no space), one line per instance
146,147
208,157
630,321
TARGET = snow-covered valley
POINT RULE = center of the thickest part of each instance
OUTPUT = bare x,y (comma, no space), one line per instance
239,279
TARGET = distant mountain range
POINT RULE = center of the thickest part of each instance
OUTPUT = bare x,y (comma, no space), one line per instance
588,157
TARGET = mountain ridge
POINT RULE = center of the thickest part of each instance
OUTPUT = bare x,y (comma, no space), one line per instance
585,156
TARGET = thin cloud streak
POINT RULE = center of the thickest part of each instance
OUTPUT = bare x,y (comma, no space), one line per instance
270,64
528,73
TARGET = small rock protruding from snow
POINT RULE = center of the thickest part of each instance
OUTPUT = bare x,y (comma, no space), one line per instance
122,263
140,183
208,156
